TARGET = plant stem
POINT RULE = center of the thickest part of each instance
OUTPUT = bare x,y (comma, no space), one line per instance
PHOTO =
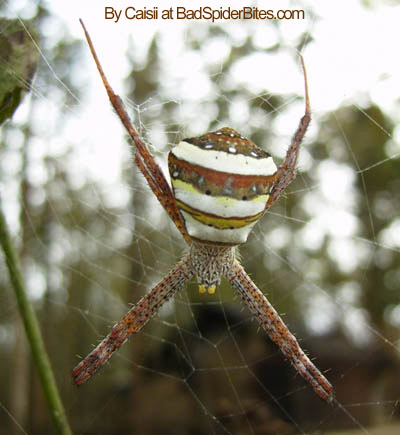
32,329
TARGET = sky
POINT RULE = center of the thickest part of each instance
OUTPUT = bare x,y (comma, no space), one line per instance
352,49
350,57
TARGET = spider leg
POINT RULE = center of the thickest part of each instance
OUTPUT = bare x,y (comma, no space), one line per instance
278,331
143,157
287,172
133,321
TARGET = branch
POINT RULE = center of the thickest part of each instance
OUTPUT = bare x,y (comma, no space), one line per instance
32,329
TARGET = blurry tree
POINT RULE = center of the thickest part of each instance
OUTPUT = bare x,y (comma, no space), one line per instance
71,251
52,220
364,142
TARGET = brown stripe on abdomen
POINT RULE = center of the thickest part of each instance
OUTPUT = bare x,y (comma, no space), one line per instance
217,183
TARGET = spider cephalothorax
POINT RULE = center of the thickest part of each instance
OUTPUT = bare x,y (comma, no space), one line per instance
210,263
222,183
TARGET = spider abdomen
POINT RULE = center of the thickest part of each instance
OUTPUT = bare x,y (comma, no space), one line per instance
221,183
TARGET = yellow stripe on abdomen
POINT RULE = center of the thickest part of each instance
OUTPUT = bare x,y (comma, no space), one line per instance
218,221
221,206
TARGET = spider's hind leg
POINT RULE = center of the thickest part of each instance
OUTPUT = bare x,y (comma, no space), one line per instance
279,333
133,321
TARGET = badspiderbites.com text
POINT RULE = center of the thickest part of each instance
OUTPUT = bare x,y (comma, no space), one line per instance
202,13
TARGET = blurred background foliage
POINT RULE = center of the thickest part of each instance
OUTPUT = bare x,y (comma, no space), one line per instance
84,262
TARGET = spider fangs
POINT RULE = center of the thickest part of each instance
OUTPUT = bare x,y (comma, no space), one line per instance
222,183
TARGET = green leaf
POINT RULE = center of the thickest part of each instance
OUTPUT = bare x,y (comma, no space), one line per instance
18,62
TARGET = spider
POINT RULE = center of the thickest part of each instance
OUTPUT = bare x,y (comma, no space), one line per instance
222,183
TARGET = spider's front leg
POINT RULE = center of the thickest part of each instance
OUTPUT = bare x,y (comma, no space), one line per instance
287,172
133,321
143,157
278,331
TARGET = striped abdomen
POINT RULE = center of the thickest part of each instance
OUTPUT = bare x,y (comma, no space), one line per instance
221,183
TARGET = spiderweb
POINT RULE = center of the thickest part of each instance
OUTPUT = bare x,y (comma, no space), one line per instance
93,239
